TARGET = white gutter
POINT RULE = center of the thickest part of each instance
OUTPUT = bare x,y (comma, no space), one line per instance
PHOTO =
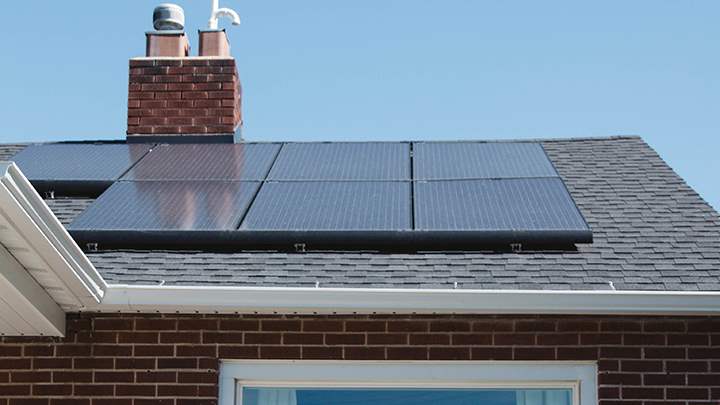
132,298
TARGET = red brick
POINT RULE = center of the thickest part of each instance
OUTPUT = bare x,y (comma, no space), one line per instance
642,393
322,353
687,366
114,376
112,324
93,389
535,325
198,377
663,379
132,363
222,337
197,324
512,339
363,353
239,352
664,326
444,339
281,325
345,339
578,325
72,376
180,337
407,326
177,363
52,389
30,376
280,352
135,390
138,337
688,393
15,389
112,350
491,353
665,353
449,353
387,339
152,376
407,353
74,350
533,353
322,325
40,363
305,338
153,350
31,350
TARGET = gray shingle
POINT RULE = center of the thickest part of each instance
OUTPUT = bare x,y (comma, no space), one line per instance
651,231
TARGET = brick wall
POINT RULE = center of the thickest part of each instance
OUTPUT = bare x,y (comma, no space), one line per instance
173,359
183,96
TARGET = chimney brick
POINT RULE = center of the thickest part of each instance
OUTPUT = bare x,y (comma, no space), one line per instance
205,92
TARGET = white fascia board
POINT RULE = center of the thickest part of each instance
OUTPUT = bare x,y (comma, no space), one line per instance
26,309
403,301
34,223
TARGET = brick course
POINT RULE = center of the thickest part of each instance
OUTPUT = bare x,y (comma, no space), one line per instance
191,96
173,359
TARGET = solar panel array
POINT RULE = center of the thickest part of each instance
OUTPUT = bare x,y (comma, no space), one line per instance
385,195
78,168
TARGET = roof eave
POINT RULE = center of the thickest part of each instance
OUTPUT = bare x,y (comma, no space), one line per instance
40,260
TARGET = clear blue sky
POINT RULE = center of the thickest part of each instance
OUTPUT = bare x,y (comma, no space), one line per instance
396,69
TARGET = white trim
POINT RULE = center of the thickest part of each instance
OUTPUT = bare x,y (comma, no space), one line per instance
44,272
39,228
25,307
581,377
363,300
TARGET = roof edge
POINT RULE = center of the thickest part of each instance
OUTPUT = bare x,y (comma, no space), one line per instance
135,298
50,248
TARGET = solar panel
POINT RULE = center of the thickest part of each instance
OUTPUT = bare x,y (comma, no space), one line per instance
77,168
168,205
331,206
480,160
206,162
541,206
342,161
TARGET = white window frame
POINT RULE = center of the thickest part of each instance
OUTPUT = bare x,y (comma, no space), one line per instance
580,377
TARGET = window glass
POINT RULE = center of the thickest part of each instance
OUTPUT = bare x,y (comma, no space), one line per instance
404,396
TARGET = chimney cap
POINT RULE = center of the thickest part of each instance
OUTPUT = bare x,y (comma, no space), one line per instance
168,17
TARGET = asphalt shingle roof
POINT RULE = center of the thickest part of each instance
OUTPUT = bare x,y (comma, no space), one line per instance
651,231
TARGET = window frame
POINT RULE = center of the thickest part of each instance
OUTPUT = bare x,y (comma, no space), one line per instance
580,377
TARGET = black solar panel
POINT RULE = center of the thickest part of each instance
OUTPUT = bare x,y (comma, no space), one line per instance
334,195
206,162
342,161
537,208
331,206
479,160
85,169
168,205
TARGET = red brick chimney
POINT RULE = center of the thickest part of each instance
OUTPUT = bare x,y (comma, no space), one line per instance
174,97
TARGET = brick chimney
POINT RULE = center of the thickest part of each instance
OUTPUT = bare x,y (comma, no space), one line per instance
177,98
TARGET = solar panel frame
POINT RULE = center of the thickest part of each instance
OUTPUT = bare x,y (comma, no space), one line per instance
84,169
480,160
342,161
226,162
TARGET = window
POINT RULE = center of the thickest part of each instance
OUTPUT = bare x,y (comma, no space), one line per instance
407,383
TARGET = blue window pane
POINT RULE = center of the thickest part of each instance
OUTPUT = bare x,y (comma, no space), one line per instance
403,396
